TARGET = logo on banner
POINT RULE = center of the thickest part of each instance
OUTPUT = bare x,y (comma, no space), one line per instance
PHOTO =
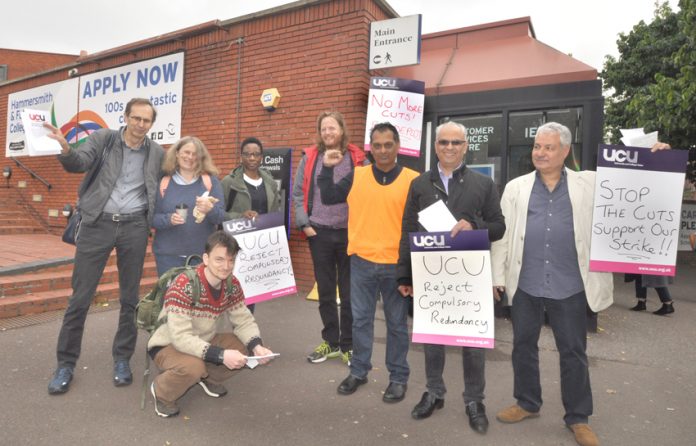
381,82
620,156
239,225
429,241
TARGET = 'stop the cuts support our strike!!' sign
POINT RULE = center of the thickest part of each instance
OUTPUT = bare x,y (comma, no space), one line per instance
635,225
452,289
395,42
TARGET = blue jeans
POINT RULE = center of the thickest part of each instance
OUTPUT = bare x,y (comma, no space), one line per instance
94,246
474,364
568,320
366,280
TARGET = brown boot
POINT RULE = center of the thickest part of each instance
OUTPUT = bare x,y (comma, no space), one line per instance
515,414
584,435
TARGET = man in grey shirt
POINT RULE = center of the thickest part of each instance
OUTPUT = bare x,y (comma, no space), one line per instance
117,208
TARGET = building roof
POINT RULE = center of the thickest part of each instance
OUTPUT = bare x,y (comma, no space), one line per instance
491,56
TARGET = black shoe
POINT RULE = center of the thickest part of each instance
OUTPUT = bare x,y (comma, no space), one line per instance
61,381
477,417
395,392
349,385
640,306
427,405
122,373
665,309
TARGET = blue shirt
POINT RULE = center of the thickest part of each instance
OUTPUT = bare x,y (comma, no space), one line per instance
549,260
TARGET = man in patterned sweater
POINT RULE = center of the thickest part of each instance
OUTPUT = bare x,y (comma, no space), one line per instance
187,348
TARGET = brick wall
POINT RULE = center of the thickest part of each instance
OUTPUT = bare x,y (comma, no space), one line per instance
22,63
316,56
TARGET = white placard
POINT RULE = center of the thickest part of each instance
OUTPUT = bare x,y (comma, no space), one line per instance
452,289
263,265
58,100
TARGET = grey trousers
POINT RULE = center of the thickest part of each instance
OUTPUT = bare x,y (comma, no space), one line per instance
94,246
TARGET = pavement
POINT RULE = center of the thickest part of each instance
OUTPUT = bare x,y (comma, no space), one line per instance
642,368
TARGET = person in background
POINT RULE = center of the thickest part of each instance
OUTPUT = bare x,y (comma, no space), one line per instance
189,180
326,228
250,190
645,281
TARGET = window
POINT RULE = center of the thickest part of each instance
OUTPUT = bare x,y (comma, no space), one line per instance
484,133
3,73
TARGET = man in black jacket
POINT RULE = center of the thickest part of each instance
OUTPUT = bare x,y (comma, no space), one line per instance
117,208
473,200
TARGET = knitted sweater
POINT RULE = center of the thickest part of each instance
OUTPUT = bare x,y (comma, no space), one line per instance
189,329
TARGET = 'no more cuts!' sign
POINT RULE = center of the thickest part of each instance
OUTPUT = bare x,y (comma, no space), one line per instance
452,289
637,204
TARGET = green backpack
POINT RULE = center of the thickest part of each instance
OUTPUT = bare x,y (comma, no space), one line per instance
149,309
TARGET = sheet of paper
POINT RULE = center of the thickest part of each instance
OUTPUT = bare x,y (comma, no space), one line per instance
253,361
630,133
436,218
37,135
637,138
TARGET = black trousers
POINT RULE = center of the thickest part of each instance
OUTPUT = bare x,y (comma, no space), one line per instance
331,268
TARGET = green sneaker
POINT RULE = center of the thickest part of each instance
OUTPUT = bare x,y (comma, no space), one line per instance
346,357
323,352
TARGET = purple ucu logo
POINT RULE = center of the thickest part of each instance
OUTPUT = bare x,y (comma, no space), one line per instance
620,156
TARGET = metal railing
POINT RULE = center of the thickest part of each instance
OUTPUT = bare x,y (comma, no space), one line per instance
31,172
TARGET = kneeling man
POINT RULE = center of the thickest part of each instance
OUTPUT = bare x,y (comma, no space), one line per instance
187,348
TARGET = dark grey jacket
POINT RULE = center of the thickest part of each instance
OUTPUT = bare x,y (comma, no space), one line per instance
472,197
86,157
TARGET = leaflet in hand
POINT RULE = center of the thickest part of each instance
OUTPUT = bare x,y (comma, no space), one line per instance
38,141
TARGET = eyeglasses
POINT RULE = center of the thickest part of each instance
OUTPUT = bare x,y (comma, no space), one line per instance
252,154
447,142
138,120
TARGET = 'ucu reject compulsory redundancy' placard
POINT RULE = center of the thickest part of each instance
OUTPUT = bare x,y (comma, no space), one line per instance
452,289
263,265
637,203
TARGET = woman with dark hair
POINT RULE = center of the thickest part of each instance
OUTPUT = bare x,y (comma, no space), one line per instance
188,206
250,189
326,228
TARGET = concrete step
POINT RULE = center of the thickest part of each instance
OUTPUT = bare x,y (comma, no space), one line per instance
52,300
57,279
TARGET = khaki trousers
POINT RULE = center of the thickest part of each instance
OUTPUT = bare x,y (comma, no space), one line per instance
180,371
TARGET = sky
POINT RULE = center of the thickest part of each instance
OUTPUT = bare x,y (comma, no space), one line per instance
586,29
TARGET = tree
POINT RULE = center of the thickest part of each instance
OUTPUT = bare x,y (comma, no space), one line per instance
654,79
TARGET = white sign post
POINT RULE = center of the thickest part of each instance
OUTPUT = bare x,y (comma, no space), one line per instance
452,289
395,42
